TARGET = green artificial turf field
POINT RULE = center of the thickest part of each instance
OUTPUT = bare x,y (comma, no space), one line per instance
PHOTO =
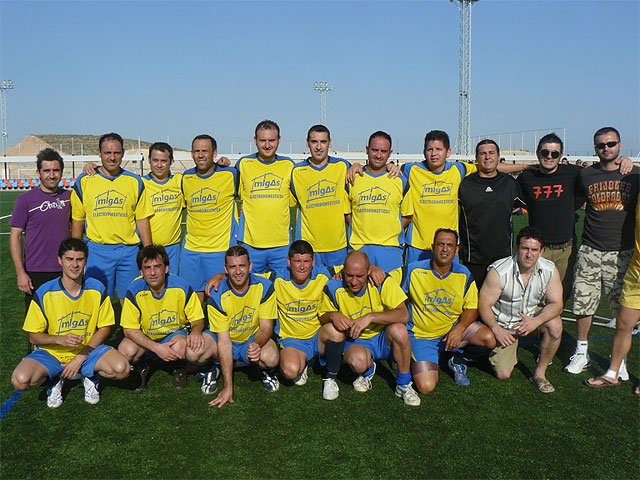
491,429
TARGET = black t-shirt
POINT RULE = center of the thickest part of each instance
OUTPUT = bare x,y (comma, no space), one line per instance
609,222
486,229
551,201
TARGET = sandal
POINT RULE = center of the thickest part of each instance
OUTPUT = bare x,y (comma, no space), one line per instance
601,381
543,384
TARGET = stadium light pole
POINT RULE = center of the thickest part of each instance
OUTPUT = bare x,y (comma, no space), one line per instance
323,88
464,102
4,86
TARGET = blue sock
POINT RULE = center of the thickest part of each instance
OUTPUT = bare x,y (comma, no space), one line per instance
370,370
403,378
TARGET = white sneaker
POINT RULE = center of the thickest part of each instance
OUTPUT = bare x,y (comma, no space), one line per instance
363,382
330,389
302,379
54,395
408,394
578,363
91,394
623,374
209,380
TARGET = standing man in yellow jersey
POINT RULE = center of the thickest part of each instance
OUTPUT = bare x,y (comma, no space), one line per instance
433,188
319,186
376,222
165,192
374,320
209,192
444,312
264,188
116,210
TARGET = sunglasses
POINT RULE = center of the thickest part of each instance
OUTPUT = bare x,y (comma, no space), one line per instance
553,153
600,146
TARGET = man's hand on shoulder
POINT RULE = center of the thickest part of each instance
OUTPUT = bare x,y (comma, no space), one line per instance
355,169
89,168
626,165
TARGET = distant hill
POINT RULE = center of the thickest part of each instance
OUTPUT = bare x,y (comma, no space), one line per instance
87,144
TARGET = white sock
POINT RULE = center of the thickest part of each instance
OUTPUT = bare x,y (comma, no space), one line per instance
611,374
581,346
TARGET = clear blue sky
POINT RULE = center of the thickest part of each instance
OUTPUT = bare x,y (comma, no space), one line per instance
177,69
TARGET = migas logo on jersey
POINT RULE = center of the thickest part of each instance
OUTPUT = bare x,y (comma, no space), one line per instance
206,196
302,306
361,313
373,196
74,322
110,199
243,319
321,190
436,188
163,319
268,181
439,298
164,197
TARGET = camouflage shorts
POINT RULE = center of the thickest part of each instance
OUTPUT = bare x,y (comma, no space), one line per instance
598,271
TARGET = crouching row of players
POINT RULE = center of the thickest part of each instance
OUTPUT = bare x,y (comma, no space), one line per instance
359,319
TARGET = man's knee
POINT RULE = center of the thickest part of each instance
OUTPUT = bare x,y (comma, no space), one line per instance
357,359
425,376
21,380
504,374
484,337
269,354
330,334
129,349
398,333
553,328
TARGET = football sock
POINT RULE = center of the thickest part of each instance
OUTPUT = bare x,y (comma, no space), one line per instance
370,370
403,378
581,346
333,355
611,374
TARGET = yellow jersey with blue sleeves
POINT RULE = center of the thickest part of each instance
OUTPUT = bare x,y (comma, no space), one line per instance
372,299
376,217
436,302
322,203
211,209
157,317
298,304
240,313
264,188
433,200
55,312
110,206
167,203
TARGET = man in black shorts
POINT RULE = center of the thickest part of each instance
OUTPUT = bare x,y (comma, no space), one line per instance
486,200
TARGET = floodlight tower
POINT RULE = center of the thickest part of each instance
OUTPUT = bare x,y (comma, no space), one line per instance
323,88
464,102
4,85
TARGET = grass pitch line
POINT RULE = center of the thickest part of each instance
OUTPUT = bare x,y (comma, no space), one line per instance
9,403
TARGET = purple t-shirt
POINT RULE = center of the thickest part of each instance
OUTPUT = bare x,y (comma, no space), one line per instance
44,218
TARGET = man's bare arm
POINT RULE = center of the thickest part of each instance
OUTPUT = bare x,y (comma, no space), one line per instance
488,296
15,246
144,230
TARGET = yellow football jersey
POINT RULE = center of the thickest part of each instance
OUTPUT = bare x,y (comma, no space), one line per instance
157,317
266,197
436,302
376,217
372,299
110,206
211,209
433,200
167,203
54,312
322,203
240,314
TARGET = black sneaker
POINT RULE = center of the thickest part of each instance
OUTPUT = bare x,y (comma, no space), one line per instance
143,372
179,378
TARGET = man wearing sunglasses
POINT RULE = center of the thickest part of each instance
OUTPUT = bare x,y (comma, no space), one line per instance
607,240
550,193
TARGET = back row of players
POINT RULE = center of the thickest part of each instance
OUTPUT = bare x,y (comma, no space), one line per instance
114,204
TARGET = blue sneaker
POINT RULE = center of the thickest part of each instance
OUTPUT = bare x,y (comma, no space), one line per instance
459,373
